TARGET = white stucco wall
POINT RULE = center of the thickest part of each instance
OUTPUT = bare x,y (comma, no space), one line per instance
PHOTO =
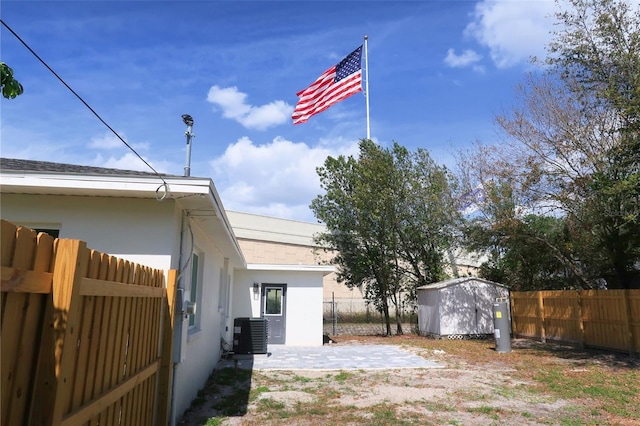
303,305
202,341
142,231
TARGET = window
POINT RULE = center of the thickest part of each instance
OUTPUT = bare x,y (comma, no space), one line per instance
55,233
195,287
273,301
223,293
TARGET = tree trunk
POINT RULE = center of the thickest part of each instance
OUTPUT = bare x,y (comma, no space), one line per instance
398,321
387,319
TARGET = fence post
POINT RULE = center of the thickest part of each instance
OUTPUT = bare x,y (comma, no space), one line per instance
626,303
69,269
165,375
580,320
543,334
45,378
512,317
334,318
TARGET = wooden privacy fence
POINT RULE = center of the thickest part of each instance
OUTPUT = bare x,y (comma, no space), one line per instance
608,319
86,337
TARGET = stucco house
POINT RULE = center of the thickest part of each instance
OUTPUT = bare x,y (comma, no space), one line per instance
170,222
280,261
274,241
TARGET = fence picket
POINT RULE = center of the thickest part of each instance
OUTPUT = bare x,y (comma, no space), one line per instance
45,376
166,343
8,233
15,324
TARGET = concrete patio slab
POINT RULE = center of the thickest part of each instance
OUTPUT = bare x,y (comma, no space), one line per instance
331,357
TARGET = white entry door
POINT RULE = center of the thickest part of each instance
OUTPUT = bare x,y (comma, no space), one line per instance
273,308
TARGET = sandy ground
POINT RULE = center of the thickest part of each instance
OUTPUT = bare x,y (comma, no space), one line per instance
461,393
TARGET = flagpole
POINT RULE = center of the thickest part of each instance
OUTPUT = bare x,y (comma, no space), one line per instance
366,73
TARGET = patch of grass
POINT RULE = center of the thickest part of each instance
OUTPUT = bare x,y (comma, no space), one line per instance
571,422
487,410
300,379
229,376
199,400
328,393
615,393
343,376
256,392
214,421
269,404
234,404
471,395
309,410
438,407
317,410
349,391
386,415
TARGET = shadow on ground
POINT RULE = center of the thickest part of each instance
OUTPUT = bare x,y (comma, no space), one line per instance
584,356
226,394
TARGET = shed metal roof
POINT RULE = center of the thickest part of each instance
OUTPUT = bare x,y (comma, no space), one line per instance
457,281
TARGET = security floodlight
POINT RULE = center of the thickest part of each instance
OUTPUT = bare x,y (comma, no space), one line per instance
188,120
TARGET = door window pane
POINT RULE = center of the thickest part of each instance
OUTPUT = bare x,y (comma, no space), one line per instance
273,301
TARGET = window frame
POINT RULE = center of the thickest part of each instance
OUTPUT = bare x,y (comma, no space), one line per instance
195,288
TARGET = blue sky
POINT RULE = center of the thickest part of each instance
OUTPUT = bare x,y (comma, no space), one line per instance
439,72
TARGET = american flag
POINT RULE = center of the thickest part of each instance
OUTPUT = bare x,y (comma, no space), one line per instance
334,85
470,201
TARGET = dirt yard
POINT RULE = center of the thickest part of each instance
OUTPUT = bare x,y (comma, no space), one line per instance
534,384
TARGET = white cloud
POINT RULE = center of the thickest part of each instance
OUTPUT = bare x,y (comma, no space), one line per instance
513,31
130,161
109,141
466,58
234,106
277,178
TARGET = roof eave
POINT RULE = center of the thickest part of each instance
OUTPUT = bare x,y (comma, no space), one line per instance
197,194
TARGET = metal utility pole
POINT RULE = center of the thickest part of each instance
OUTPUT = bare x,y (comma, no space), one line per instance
188,120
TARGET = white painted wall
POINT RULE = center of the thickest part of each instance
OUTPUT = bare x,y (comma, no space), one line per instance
202,342
303,305
142,231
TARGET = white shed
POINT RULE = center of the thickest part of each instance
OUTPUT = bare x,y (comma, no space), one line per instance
458,307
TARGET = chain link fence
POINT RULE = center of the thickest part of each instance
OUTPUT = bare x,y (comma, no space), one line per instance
347,318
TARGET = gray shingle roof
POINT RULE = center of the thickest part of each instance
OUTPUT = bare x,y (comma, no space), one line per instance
18,165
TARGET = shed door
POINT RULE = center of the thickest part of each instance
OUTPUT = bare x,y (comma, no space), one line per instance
273,308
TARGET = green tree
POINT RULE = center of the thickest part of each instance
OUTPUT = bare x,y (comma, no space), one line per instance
390,217
10,86
598,58
570,150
